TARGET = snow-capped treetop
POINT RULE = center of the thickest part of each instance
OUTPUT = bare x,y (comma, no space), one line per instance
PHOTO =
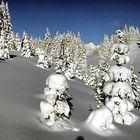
120,33
57,82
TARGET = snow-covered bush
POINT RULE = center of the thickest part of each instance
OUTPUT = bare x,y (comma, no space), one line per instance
56,107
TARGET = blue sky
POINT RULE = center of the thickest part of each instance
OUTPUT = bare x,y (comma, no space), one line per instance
92,18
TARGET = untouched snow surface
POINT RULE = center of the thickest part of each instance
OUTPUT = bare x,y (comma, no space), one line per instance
21,91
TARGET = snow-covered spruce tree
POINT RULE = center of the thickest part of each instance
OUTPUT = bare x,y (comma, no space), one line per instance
48,47
7,26
33,47
70,55
17,42
61,63
80,59
55,109
47,38
6,29
59,49
56,42
42,59
100,120
121,95
4,51
25,46
97,75
44,51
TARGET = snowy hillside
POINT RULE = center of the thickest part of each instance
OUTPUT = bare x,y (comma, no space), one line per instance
21,90
59,88
90,48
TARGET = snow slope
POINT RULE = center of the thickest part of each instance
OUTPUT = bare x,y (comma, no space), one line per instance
21,90
90,48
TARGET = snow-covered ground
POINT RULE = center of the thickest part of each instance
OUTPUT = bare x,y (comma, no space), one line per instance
21,90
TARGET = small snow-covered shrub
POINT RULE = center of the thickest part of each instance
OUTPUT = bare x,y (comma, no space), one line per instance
56,107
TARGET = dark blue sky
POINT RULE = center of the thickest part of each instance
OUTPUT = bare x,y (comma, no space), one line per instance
92,18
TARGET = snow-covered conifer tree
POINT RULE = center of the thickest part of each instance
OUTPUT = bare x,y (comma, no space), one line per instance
61,63
45,57
4,51
47,38
25,46
6,29
17,42
121,95
55,109
33,47
80,60
48,47
97,74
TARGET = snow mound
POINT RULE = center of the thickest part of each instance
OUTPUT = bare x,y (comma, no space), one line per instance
57,82
100,121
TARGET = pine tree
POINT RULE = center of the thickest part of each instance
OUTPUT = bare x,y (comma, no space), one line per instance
17,42
120,93
25,46
6,29
6,25
56,107
32,44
